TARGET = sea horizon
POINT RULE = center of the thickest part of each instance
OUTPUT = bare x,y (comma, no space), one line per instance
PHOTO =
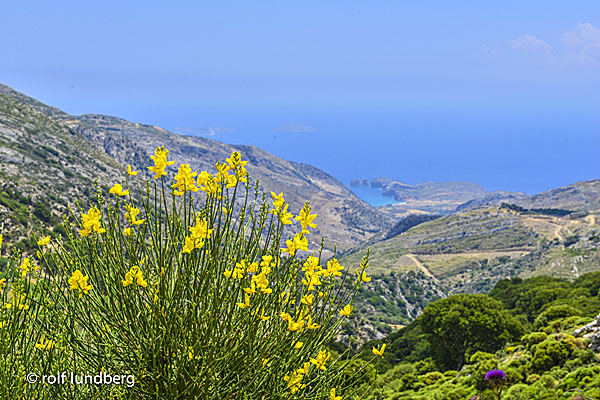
512,150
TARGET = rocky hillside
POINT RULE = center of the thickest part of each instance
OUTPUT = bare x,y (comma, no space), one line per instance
48,158
581,196
471,250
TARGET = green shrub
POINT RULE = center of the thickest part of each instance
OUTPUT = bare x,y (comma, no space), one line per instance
534,338
549,353
192,296
554,313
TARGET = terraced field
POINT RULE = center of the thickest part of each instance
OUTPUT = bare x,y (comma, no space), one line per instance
473,249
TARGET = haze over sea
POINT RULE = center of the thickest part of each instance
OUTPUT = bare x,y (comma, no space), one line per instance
499,149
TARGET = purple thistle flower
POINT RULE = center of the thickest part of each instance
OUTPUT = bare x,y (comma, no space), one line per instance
495,375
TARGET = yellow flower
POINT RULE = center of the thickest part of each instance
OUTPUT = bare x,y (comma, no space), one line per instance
346,311
295,325
310,324
285,316
189,245
294,381
17,302
311,264
246,302
380,351
231,181
304,370
278,202
236,164
284,297
160,162
117,190
266,261
191,355
3,324
332,395
252,289
334,267
25,267
130,172
1,239
91,222
262,316
127,232
79,282
207,183
306,218
321,359
2,283
262,283
131,215
134,274
307,299
236,273
362,276
298,345
185,180
45,344
284,216
311,280
200,230
203,177
299,242
223,176
44,241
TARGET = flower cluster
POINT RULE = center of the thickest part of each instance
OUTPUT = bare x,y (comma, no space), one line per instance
185,180
306,218
44,241
79,282
199,233
118,191
134,276
258,280
298,242
27,266
280,208
236,165
91,222
17,302
131,215
160,162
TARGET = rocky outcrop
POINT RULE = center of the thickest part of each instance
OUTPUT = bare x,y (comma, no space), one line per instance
591,331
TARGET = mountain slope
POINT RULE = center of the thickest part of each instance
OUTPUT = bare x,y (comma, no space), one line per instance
580,196
469,252
462,249
50,158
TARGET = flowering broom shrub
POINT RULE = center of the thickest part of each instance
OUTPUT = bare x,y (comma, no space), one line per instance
191,287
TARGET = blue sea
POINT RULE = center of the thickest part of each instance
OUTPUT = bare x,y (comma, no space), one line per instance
373,196
500,149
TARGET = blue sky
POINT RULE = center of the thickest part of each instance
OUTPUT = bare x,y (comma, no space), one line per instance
160,63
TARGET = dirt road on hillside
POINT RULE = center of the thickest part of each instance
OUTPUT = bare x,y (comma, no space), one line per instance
421,266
